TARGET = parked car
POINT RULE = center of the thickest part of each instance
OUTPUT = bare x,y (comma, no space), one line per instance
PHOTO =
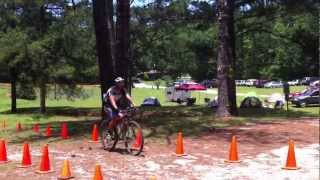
315,83
273,84
308,80
250,82
296,94
178,82
240,82
310,97
294,82
209,83
260,83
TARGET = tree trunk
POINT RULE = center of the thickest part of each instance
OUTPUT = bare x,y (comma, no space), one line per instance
43,95
231,78
13,92
122,37
225,58
103,20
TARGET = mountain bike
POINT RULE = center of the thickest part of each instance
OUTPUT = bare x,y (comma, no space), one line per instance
126,130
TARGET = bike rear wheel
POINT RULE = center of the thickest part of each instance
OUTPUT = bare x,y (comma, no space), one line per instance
109,138
134,138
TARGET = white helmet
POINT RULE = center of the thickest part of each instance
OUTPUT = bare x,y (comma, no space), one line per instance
118,79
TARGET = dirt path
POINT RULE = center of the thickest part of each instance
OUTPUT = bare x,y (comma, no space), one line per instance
262,149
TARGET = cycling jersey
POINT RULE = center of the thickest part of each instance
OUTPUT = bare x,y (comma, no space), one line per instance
121,100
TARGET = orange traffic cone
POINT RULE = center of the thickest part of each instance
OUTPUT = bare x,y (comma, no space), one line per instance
291,158
26,157
45,162
18,127
35,128
95,134
138,139
179,147
48,131
97,173
64,131
4,124
65,172
3,152
233,152
153,177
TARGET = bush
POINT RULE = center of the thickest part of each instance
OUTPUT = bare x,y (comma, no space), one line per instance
167,79
157,83
146,77
26,91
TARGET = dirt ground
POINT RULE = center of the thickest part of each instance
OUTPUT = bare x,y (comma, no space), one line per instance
262,148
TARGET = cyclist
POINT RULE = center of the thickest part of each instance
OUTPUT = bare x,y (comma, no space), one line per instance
116,98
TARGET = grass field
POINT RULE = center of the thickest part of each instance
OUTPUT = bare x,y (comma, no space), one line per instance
165,120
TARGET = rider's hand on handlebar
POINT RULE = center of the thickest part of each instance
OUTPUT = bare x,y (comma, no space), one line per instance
120,114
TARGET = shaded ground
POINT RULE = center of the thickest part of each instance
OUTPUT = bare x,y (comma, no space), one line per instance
262,147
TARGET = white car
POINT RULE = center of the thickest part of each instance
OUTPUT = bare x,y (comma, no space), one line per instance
250,82
240,82
315,83
294,82
273,84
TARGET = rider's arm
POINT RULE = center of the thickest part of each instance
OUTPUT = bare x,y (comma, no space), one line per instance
129,99
113,102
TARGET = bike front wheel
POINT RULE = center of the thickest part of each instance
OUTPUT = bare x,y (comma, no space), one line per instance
109,138
134,138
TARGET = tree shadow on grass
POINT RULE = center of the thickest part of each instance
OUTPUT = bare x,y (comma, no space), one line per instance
157,122
58,111
260,137
274,113
196,120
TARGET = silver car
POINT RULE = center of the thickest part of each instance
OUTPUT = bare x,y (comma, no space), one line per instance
273,84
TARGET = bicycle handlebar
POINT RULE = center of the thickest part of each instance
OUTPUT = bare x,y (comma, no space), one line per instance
130,111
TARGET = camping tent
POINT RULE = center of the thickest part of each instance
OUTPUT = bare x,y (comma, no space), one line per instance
251,102
151,101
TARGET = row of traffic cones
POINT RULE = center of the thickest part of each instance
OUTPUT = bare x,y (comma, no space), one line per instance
36,129
233,152
64,130
44,166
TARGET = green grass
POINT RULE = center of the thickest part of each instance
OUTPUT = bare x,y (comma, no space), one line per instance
267,91
157,122
162,83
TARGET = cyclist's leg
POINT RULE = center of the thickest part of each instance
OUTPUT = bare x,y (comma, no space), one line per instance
114,120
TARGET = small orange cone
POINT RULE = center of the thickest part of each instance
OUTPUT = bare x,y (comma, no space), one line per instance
138,139
153,177
48,131
3,152
18,127
179,147
26,157
95,134
65,172
35,128
64,131
233,152
97,173
291,158
4,124
45,162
